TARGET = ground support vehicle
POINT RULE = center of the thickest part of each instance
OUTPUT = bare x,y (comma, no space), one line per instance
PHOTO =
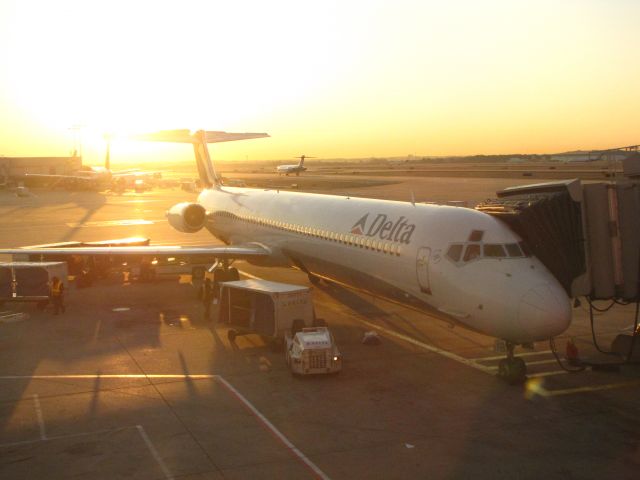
30,281
312,351
269,309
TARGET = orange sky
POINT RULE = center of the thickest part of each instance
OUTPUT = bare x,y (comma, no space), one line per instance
328,79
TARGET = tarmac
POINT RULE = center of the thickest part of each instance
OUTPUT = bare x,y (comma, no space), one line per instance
133,382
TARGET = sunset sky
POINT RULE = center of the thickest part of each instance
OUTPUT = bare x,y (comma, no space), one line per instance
325,78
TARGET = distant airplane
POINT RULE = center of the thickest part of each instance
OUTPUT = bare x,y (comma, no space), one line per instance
297,168
96,178
459,265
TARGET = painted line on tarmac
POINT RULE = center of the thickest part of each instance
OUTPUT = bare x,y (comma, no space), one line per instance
292,448
62,437
596,388
154,452
452,356
265,422
43,432
523,354
465,361
113,223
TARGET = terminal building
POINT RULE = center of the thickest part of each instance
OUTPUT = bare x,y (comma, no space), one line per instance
12,167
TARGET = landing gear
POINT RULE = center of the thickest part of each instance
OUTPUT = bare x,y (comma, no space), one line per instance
512,369
313,279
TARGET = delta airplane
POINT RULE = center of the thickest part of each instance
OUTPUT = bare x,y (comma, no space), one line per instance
457,264
297,168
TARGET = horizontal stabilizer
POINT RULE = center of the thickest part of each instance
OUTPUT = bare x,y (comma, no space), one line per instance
185,136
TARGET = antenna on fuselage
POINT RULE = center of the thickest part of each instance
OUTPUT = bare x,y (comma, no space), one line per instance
413,198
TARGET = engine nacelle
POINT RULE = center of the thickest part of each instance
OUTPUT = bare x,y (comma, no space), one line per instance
187,217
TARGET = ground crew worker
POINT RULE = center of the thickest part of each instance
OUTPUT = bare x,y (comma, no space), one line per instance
57,295
207,297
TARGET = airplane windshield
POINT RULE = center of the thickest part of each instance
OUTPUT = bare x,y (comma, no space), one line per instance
461,253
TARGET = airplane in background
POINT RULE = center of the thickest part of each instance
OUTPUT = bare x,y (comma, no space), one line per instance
95,178
296,168
456,264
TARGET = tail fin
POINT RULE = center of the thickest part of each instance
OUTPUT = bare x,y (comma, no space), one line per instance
302,157
199,140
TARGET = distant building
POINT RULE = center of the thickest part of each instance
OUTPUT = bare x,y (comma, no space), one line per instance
18,166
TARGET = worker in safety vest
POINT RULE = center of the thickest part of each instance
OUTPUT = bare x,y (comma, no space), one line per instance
57,295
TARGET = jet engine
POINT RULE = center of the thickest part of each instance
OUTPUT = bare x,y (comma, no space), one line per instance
187,217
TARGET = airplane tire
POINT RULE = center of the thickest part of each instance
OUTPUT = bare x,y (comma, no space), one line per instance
513,371
313,279
231,335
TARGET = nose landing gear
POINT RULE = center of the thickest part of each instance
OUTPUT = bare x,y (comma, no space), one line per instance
512,369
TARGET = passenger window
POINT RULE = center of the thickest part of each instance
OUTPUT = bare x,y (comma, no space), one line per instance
455,252
513,250
472,252
494,250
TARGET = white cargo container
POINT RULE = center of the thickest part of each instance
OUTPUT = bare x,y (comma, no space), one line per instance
266,308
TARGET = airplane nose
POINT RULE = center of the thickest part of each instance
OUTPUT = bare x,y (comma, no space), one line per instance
544,312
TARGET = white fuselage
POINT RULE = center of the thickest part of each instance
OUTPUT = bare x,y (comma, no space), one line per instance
423,256
287,169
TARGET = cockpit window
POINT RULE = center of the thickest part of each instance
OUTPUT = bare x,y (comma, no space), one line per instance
525,249
494,250
514,250
455,252
472,252
476,235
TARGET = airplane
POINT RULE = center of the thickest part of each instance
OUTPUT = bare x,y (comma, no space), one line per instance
296,168
96,178
459,265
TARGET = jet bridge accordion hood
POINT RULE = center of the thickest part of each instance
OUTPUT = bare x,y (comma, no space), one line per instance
549,218
588,236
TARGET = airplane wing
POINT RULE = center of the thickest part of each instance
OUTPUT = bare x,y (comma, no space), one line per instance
222,252
60,177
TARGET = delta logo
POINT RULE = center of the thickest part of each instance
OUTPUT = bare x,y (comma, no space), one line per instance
382,227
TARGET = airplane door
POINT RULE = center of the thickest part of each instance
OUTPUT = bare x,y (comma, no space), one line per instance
422,269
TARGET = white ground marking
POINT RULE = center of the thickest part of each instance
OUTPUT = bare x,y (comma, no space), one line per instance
154,452
43,432
452,356
113,223
290,446
59,437
273,429
523,354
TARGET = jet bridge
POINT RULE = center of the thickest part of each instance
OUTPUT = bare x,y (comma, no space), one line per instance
587,235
